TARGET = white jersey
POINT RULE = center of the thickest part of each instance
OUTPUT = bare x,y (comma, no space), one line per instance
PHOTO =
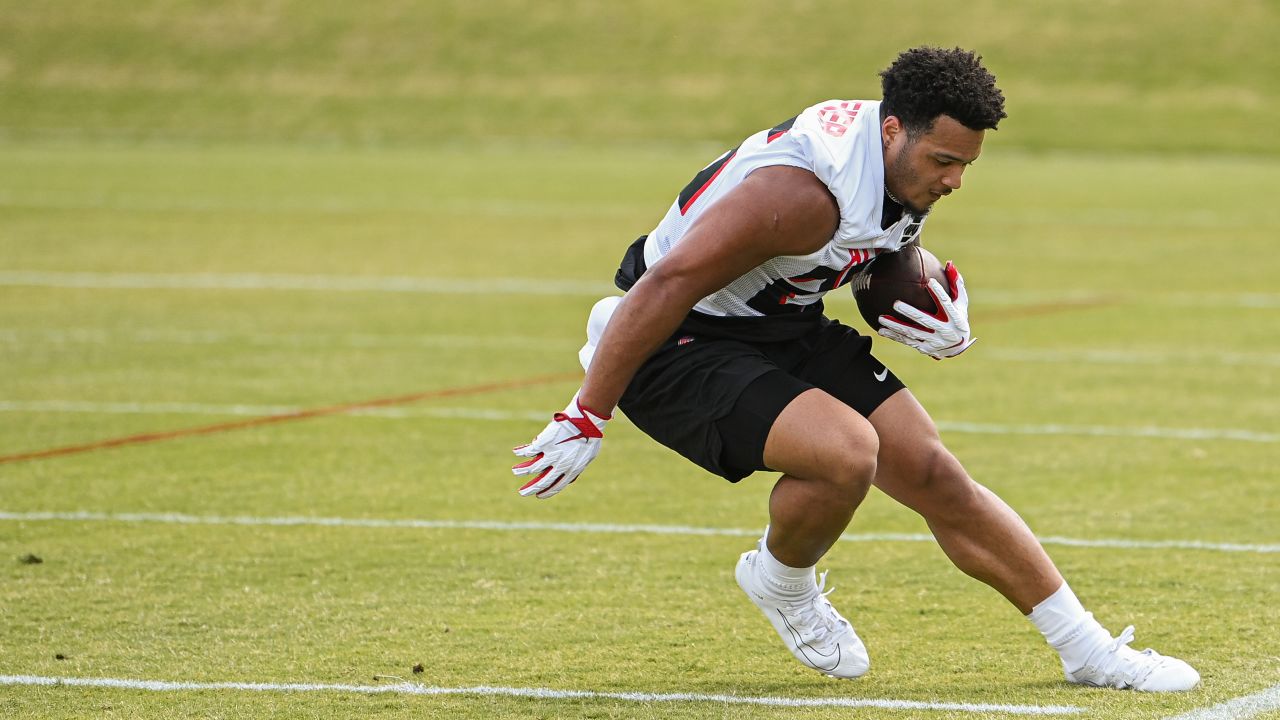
837,140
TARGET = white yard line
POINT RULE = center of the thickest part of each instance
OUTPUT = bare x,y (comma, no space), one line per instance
605,528
1132,357
96,336
1255,300
327,205
326,283
519,286
1238,709
1146,431
407,688
177,408
494,414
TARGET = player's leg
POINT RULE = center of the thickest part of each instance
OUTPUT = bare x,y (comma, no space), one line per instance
827,454
722,404
981,534
826,450
987,540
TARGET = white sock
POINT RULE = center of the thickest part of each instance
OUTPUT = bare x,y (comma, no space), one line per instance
786,581
1068,627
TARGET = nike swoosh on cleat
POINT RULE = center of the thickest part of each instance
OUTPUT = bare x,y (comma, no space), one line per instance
802,645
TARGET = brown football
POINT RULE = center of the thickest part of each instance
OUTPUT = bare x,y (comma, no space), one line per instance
889,277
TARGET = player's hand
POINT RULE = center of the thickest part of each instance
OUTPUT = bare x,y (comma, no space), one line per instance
561,451
942,335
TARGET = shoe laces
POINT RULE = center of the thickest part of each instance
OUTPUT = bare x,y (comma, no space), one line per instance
817,613
1129,664
1124,638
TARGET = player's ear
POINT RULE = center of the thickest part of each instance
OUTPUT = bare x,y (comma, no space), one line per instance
890,128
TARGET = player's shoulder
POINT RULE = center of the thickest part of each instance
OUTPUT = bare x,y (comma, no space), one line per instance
826,131
838,122
839,136
842,138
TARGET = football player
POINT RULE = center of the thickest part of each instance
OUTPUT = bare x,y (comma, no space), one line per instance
720,351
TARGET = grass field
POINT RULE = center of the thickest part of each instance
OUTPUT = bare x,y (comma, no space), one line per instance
282,283
1170,75
1124,389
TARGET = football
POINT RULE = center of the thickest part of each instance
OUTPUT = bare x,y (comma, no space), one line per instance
889,277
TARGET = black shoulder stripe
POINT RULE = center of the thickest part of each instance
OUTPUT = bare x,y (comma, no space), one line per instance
780,128
702,180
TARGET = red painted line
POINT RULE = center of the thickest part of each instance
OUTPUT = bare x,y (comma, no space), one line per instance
987,316
285,417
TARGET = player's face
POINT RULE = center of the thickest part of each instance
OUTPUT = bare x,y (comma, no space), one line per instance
918,171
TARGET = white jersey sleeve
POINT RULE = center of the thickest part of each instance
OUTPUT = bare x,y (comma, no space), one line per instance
842,140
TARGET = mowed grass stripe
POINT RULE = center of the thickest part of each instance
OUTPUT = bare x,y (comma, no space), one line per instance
531,286
378,409
97,336
603,528
407,688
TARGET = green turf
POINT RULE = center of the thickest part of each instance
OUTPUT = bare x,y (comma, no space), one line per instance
1155,254
1116,237
1171,75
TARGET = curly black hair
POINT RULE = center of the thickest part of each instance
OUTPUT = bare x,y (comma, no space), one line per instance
925,82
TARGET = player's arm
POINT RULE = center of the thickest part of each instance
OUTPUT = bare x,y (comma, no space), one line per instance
775,211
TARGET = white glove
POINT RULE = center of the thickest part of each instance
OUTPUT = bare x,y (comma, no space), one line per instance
561,451
939,336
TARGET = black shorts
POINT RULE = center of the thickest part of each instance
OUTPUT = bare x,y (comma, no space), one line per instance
713,399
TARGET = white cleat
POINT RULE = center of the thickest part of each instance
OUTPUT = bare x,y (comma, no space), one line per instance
1116,665
810,628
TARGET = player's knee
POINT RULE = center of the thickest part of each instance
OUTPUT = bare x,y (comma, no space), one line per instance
853,467
824,442
944,481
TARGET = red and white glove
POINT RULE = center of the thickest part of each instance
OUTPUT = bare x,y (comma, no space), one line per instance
561,451
942,335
